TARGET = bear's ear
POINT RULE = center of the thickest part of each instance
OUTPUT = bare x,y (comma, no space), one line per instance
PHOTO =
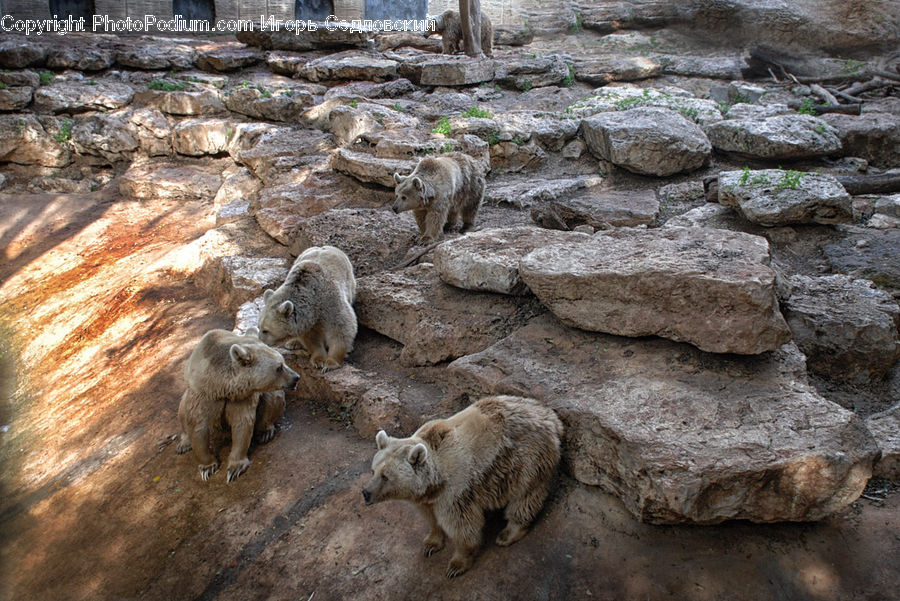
252,331
381,439
418,454
268,294
240,354
285,308
398,178
417,182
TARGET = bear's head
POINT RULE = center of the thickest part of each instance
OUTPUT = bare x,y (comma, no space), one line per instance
411,192
259,368
291,310
401,469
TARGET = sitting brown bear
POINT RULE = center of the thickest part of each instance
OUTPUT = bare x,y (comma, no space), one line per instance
448,24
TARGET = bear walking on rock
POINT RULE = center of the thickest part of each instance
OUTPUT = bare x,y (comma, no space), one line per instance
500,452
314,306
236,379
438,191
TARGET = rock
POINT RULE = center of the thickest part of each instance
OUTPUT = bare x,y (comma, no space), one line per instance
649,141
523,195
168,180
550,132
683,192
199,101
78,97
239,185
15,98
366,89
80,58
608,17
885,427
24,140
681,436
369,168
756,112
624,97
286,105
198,137
60,185
248,313
156,56
526,73
712,67
868,254
282,149
712,215
348,123
773,197
872,136
446,70
228,59
405,143
153,131
573,150
320,38
846,328
888,206
233,211
607,69
22,52
432,320
514,156
780,137
234,280
488,260
281,208
711,288
511,35
110,138
26,78
374,239
600,210
285,63
350,65
389,40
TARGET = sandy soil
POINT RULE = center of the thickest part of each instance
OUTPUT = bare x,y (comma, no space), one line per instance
96,505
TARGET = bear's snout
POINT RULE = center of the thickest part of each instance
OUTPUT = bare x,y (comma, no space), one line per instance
292,385
395,208
367,496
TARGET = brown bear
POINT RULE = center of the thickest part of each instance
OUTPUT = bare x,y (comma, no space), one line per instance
314,306
500,452
232,379
438,191
449,25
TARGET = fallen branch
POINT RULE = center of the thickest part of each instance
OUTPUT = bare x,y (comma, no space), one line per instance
887,74
859,88
870,184
824,94
846,96
418,255
846,109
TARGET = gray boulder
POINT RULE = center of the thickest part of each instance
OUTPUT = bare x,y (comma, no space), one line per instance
649,141
885,427
600,209
779,137
15,98
350,65
447,70
24,140
168,180
773,197
368,168
681,436
872,136
81,96
711,288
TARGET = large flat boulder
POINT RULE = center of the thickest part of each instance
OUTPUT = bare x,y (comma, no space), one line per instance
80,57
599,210
872,136
846,327
524,194
681,436
168,180
78,96
711,288
320,38
22,52
488,260
189,102
774,197
281,149
229,58
156,55
350,65
284,105
434,321
867,253
105,138
524,73
198,137
649,141
15,98
232,281
600,71
778,137
447,70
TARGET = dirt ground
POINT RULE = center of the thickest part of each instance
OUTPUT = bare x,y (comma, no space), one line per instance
96,505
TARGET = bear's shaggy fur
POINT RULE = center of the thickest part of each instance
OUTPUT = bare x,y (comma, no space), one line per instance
314,306
438,191
233,379
500,452
449,25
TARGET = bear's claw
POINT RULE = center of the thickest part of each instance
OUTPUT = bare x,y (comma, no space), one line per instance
236,470
208,470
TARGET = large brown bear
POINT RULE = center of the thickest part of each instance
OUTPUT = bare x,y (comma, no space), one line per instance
449,25
500,452
237,380
314,306
439,190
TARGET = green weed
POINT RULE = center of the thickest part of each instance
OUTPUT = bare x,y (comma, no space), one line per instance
477,112
443,126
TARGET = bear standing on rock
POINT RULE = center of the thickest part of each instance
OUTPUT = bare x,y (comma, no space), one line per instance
314,306
438,191
449,25
500,452
237,379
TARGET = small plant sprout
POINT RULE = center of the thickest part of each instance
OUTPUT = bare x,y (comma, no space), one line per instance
477,112
789,179
443,126
807,107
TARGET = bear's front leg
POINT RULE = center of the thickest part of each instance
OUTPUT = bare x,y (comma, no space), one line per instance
434,542
465,530
240,416
434,225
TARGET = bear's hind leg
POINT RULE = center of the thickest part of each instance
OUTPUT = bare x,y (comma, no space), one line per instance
452,216
521,512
